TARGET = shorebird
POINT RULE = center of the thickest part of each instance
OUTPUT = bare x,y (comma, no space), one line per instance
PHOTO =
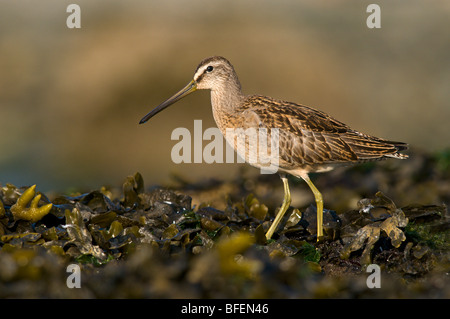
309,140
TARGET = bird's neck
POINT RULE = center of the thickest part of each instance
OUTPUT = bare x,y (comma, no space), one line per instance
226,98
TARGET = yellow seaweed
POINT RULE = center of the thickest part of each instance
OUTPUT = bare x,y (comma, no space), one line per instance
390,227
231,259
2,210
368,232
32,213
371,233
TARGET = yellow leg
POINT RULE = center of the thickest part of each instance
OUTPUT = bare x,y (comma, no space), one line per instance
283,208
319,203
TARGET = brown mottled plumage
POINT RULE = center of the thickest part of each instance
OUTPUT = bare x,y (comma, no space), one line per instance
309,140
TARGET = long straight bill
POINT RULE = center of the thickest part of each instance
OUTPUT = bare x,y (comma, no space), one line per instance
188,89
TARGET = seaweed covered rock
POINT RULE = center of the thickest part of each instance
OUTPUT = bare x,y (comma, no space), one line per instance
166,247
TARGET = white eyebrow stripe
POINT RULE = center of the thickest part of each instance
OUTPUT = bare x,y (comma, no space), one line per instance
199,72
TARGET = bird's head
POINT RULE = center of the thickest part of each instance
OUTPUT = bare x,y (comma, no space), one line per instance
213,73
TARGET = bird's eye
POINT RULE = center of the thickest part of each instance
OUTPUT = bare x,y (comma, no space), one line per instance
209,68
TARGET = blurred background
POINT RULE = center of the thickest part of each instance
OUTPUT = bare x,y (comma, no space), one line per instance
71,99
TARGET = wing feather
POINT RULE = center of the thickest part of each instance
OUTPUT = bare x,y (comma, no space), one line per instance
311,137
